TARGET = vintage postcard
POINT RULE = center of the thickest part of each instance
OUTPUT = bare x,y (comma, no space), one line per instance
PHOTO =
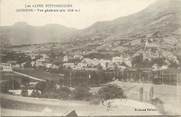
90,58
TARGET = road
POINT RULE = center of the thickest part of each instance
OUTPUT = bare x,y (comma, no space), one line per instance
42,106
28,76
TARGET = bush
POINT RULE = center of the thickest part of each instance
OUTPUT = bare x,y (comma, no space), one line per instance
41,86
95,100
111,92
81,93
46,86
64,92
61,93
51,95
35,93
159,104
24,92
7,85
156,101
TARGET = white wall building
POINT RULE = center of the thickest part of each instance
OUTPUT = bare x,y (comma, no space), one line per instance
69,65
65,59
117,59
127,61
5,67
105,63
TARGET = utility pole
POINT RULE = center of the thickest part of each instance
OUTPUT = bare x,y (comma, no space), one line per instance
70,79
89,77
141,90
13,83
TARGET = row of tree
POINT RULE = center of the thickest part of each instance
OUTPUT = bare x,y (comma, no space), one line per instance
81,92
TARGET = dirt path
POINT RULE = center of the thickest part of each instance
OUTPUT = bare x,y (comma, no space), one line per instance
28,76
83,108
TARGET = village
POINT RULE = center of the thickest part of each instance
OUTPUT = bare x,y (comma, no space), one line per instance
96,58
88,69
57,75
39,76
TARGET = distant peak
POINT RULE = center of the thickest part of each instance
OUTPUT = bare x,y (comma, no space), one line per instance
20,23
167,1
53,25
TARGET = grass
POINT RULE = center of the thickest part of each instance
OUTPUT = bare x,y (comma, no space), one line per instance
4,76
40,74
60,107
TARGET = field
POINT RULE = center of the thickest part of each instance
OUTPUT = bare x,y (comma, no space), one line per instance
40,74
4,76
60,107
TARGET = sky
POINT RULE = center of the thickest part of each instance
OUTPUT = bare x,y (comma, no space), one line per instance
88,11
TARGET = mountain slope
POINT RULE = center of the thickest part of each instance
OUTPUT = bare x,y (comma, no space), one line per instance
161,16
160,21
22,33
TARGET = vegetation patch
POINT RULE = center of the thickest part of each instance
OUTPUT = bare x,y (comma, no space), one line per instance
111,92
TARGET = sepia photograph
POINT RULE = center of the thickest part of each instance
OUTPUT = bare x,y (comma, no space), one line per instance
90,58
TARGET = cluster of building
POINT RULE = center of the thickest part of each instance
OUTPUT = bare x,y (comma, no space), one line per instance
41,60
94,64
78,62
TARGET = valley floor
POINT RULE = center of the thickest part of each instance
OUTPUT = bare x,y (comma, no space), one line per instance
170,95
15,105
